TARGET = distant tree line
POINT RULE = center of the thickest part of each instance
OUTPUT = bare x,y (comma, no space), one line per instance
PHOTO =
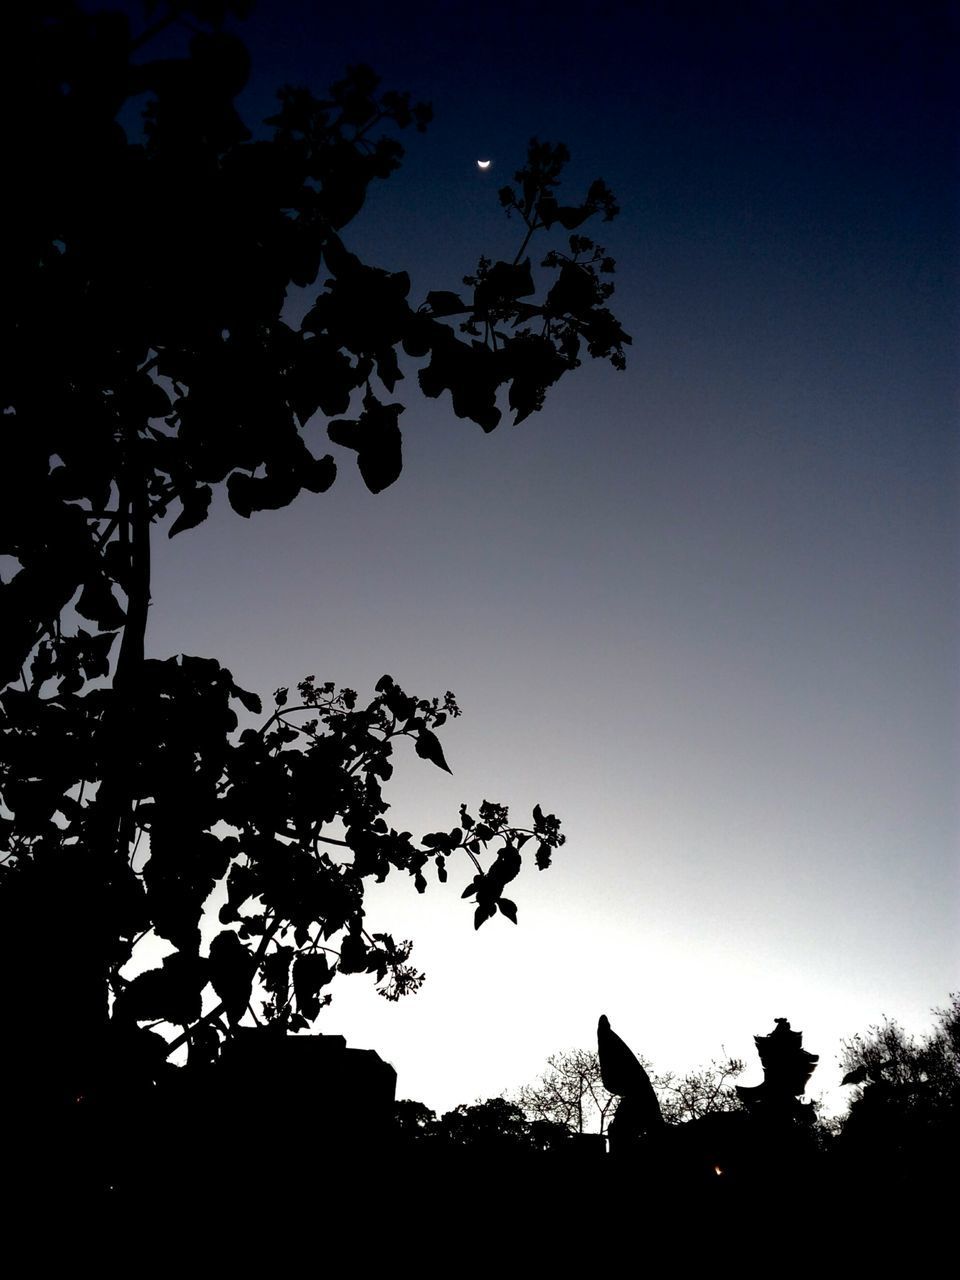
496,1124
902,1122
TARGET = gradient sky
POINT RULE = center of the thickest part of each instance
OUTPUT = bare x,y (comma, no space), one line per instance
705,610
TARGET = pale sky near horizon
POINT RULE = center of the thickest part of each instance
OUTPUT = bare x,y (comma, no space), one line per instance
705,610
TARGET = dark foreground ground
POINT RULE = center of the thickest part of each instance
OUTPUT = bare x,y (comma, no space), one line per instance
136,1196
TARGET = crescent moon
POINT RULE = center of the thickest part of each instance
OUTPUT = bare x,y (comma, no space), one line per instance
484,164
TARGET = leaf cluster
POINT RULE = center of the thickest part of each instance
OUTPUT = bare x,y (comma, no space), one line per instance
246,813
143,327
150,364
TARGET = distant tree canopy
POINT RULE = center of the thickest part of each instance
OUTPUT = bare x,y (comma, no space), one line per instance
148,366
494,1125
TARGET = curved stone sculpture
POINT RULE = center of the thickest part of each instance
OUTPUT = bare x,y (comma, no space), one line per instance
622,1073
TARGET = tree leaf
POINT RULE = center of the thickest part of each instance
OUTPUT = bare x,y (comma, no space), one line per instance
429,748
377,440
249,700
311,972
231,973
483,912
98,603
172,992
276,973
443,303
196,504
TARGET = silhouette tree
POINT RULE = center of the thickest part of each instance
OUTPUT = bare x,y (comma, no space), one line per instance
571,1092
888,1054
498,1124
149,368
705,1091
485,1125
413,1120
904,1115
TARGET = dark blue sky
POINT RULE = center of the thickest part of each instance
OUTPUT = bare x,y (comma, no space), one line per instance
706,610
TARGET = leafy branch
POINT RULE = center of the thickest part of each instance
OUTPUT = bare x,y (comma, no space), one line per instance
150,368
